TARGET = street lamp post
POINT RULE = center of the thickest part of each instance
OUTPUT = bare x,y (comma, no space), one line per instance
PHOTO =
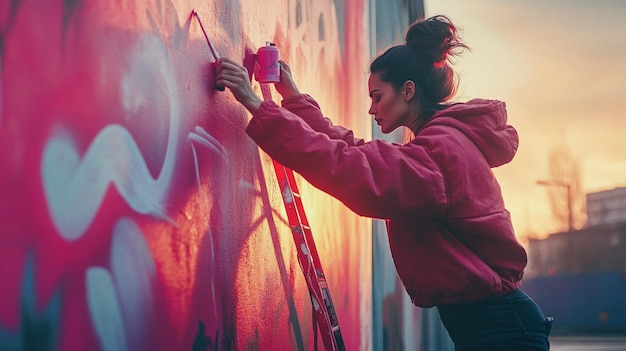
567,186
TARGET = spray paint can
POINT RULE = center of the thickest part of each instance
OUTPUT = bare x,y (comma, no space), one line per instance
268,67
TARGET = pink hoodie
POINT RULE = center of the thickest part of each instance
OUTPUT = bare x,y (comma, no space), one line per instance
451,237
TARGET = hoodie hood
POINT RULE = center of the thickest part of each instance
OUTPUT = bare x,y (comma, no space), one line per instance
484,122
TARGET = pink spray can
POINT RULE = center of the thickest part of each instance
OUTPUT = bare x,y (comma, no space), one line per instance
268,67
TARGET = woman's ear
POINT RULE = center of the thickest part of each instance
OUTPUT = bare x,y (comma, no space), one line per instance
408,90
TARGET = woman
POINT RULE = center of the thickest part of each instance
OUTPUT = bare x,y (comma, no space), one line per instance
451,237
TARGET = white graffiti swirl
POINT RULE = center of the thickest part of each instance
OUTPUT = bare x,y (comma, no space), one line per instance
74,187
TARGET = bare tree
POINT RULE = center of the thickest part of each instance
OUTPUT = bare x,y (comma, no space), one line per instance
565,193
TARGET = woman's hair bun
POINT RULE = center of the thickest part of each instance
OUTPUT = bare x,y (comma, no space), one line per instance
434,39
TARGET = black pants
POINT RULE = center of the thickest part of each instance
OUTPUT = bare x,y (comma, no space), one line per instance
512,322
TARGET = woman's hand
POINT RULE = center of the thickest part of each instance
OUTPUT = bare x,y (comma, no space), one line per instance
286,87
235,77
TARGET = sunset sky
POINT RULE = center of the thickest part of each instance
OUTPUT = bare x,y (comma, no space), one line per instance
560,66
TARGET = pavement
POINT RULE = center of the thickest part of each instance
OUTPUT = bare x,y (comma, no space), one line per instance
588,343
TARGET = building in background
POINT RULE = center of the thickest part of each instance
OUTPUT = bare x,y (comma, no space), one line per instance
579,277
606,207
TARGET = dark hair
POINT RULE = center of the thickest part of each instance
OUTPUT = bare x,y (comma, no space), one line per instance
425,60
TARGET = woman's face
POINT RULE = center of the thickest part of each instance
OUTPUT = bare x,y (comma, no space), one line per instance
390,108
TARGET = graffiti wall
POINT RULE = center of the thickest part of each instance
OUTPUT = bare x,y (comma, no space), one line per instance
135,213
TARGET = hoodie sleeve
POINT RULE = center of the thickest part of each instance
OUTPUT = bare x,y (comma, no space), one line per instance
375,179
305,107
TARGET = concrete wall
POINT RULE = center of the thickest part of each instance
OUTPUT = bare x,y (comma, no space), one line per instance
395,318
135,214
397,323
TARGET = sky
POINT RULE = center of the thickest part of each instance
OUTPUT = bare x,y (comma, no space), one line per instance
560,66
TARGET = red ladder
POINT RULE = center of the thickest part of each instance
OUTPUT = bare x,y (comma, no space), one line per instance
324,314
